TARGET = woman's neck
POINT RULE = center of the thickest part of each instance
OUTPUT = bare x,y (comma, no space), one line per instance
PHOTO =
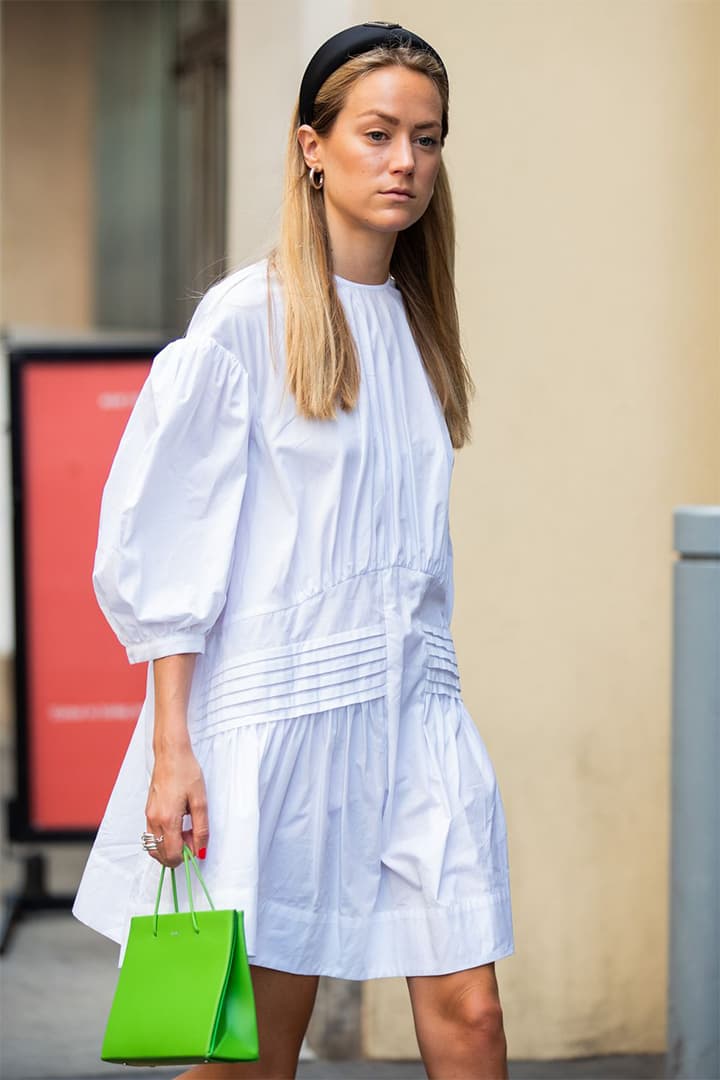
360,254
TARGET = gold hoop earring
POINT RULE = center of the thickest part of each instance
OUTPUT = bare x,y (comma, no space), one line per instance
317,182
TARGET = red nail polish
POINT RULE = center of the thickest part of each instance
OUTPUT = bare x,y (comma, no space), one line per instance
202,853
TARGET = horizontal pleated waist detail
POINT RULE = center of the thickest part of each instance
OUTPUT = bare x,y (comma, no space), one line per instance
442,676
318,674
305,677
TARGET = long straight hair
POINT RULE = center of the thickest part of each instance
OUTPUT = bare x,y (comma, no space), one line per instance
322,369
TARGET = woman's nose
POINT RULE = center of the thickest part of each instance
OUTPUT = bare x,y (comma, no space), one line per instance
403,156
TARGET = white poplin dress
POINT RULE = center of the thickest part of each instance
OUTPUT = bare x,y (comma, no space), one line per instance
355,816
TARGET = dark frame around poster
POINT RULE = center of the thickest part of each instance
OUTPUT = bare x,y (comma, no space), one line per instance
21,827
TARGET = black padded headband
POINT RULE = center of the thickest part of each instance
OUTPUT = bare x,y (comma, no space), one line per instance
342,47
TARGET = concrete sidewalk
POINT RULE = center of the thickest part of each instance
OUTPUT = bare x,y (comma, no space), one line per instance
58,979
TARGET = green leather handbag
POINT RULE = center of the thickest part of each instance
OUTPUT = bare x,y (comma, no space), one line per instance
184,994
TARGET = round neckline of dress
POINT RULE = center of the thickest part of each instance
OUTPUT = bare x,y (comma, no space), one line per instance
388,283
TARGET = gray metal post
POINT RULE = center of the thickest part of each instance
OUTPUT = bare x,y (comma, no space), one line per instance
694,991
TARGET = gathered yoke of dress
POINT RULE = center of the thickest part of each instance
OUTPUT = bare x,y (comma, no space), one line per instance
355,816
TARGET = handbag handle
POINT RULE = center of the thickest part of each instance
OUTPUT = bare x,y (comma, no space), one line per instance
189,859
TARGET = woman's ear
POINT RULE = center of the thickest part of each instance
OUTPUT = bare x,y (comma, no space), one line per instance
310,146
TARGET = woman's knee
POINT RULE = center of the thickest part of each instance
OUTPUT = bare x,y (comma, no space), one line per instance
478,1012
467,1003
459,1025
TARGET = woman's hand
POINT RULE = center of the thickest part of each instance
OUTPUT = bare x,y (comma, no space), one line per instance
177,787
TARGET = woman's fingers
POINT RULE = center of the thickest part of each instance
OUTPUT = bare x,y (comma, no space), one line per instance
169,840
171,848
200,825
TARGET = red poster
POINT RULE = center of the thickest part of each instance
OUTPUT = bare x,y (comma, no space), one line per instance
83,697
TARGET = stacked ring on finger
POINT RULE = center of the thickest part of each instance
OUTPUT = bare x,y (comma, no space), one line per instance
150,841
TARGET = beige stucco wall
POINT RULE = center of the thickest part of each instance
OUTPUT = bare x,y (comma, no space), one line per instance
46,218
269,45
585,156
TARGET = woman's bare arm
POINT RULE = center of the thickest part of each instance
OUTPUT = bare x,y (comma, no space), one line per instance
177,786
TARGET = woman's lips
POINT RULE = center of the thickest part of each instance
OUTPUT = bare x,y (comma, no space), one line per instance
403,196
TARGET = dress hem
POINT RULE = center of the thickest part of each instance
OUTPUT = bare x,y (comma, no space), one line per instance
328,971
394,943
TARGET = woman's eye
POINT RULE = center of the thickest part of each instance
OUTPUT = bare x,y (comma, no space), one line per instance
372,134
427,140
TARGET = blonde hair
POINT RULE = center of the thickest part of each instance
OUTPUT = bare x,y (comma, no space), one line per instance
322,368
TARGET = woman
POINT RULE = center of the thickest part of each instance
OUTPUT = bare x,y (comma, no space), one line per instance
274,540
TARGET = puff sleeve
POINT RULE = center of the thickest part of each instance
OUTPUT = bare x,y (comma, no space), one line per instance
171,503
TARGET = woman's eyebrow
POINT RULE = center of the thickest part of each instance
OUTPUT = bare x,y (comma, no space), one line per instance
394,120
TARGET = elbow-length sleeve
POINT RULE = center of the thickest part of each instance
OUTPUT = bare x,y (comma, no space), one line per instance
171,503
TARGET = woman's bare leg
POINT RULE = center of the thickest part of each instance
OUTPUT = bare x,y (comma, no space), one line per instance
284,1004
459,1024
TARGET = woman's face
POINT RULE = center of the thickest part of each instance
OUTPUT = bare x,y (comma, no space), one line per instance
382,155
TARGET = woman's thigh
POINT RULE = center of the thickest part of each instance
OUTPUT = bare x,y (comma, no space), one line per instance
284,1004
